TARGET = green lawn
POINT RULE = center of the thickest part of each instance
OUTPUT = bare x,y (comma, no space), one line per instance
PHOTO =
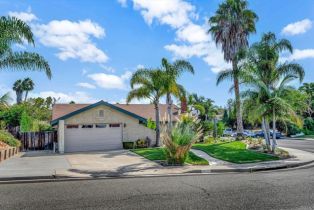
158,154
234,152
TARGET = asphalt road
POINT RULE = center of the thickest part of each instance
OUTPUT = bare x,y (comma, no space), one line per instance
306,145
285,189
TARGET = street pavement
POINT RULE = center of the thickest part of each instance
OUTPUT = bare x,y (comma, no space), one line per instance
283,189
306,145
286,189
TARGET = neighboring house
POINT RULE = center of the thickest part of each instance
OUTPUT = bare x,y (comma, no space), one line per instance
103,126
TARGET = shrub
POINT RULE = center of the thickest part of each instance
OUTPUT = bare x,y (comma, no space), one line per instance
209,140
293,129
128,145
9,139
178,141
141,143
151,124
38,126
26,122
308,126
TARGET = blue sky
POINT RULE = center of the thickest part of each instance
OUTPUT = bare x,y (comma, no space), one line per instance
94,46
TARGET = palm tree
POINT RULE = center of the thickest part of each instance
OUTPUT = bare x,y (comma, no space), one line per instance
308,89
149,84
15,31
230,27
174,71
270,79
28,85
18,88
5,100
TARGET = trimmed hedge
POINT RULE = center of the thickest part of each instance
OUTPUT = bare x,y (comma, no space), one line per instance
9,139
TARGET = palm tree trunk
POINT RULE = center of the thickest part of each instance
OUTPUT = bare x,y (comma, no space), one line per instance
19,95
264,127
26,93
169,109
274,131
238,102
157,123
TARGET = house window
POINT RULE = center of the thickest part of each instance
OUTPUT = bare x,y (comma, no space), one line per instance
101,113
72,126
101,125
87,126
114,125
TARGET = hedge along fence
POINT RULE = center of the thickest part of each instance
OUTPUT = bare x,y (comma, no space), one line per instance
8,152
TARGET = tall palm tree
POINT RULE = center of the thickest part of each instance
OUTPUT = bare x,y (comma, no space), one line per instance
230,27
18,88
28,85
15,31
174,71
149,84
266,74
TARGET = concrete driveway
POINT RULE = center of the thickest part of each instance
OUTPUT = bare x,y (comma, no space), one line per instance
88,164
109,163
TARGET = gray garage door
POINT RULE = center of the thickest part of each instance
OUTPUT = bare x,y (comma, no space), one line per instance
100,137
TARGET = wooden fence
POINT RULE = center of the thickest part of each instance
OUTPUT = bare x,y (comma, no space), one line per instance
37,140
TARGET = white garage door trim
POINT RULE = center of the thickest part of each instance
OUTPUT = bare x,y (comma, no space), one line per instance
78,139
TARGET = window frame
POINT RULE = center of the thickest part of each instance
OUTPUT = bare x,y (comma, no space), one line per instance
87,126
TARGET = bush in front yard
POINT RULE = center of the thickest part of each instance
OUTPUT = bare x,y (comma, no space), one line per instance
178,140
9,139
128,145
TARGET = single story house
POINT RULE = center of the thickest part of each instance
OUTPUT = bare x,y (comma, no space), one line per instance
102,125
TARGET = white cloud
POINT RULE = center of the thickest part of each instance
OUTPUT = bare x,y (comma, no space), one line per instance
299,27
299,55
86,85
72,39
123,3
25,16
84,71
175,13
192,33
107,68
111,81
191,38
77,97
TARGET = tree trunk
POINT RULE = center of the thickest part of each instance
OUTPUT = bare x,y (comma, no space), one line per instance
26,93
19,95
238,103
274,145
157,124
264,127
169,110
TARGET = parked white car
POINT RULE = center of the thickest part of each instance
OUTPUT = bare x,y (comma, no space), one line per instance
228,132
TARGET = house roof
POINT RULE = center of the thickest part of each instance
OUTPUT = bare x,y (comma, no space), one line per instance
139,111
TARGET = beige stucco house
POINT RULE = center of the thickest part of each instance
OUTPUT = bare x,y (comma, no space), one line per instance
102,126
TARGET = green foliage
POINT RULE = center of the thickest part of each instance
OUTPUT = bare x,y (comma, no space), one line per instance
12,116
151,124
179,139
220,128
38,126
293,129
9,139
141,143
15,31
128,145
308,126
160,154
26,122
234,152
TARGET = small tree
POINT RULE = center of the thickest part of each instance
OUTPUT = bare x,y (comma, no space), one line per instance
178,140
26,122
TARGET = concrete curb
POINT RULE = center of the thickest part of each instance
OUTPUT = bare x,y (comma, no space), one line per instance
60,178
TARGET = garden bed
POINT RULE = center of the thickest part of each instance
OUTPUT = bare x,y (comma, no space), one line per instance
158,155
234,152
